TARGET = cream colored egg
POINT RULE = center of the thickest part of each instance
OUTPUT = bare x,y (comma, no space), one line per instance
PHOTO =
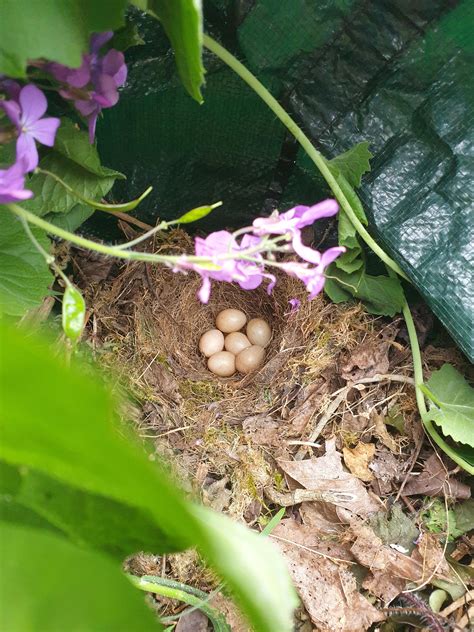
211,342
259,332
236,342
250,359
230,320
222,363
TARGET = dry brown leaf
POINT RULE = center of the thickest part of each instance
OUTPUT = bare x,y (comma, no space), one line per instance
388,565
369,358
303,413
383,434
195,621
326,474
262,430
328,589
322,517
384,586
357,460
434,481
386,469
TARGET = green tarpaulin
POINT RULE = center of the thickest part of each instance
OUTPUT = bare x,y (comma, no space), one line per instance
399,74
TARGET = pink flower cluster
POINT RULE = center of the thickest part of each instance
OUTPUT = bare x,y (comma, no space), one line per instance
91,87
244,262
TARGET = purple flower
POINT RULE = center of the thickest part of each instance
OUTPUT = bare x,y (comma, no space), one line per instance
94,85
292,222
312,277
26,114
12,182
295,305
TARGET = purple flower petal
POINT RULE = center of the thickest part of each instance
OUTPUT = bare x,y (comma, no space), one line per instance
44,130
27,152
306,253
12,110
12,181
205,290
99,39
86,108
106,93
112,64
33,105
92,125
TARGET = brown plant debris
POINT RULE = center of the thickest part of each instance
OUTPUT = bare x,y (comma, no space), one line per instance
328,428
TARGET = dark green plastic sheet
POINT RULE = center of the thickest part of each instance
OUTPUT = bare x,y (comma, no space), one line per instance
399,74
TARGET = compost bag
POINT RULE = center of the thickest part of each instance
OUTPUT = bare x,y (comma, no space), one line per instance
397,74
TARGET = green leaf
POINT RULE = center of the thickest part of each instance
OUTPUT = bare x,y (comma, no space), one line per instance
73,313
126,37
75,161
395,528
182,21
73,219
464,514
66,429
24,274
49,584
74,144
380,294
196,213
52,30
352,164
452,409
113,527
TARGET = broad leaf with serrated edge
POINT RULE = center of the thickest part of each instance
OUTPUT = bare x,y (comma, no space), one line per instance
24,274
452,407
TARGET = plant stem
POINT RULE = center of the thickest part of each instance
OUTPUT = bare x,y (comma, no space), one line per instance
305,142
420,388
180,592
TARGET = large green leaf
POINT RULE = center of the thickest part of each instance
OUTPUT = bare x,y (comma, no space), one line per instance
74,513
182,21
24,275
53,29
75,161
48,584
452,407
380,294
66,429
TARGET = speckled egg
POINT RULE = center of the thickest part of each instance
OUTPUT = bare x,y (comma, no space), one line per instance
236,342
250,359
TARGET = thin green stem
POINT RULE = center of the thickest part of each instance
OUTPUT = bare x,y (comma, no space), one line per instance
305,142
180,592
47,256
420,388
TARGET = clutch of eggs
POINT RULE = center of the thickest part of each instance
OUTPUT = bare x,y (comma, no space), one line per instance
228,349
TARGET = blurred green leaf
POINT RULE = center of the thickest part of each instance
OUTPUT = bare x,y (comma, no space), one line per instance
66,428
116,528
52,30
452,404
49,584
24,274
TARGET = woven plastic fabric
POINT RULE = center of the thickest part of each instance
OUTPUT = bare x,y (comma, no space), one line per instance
396,73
